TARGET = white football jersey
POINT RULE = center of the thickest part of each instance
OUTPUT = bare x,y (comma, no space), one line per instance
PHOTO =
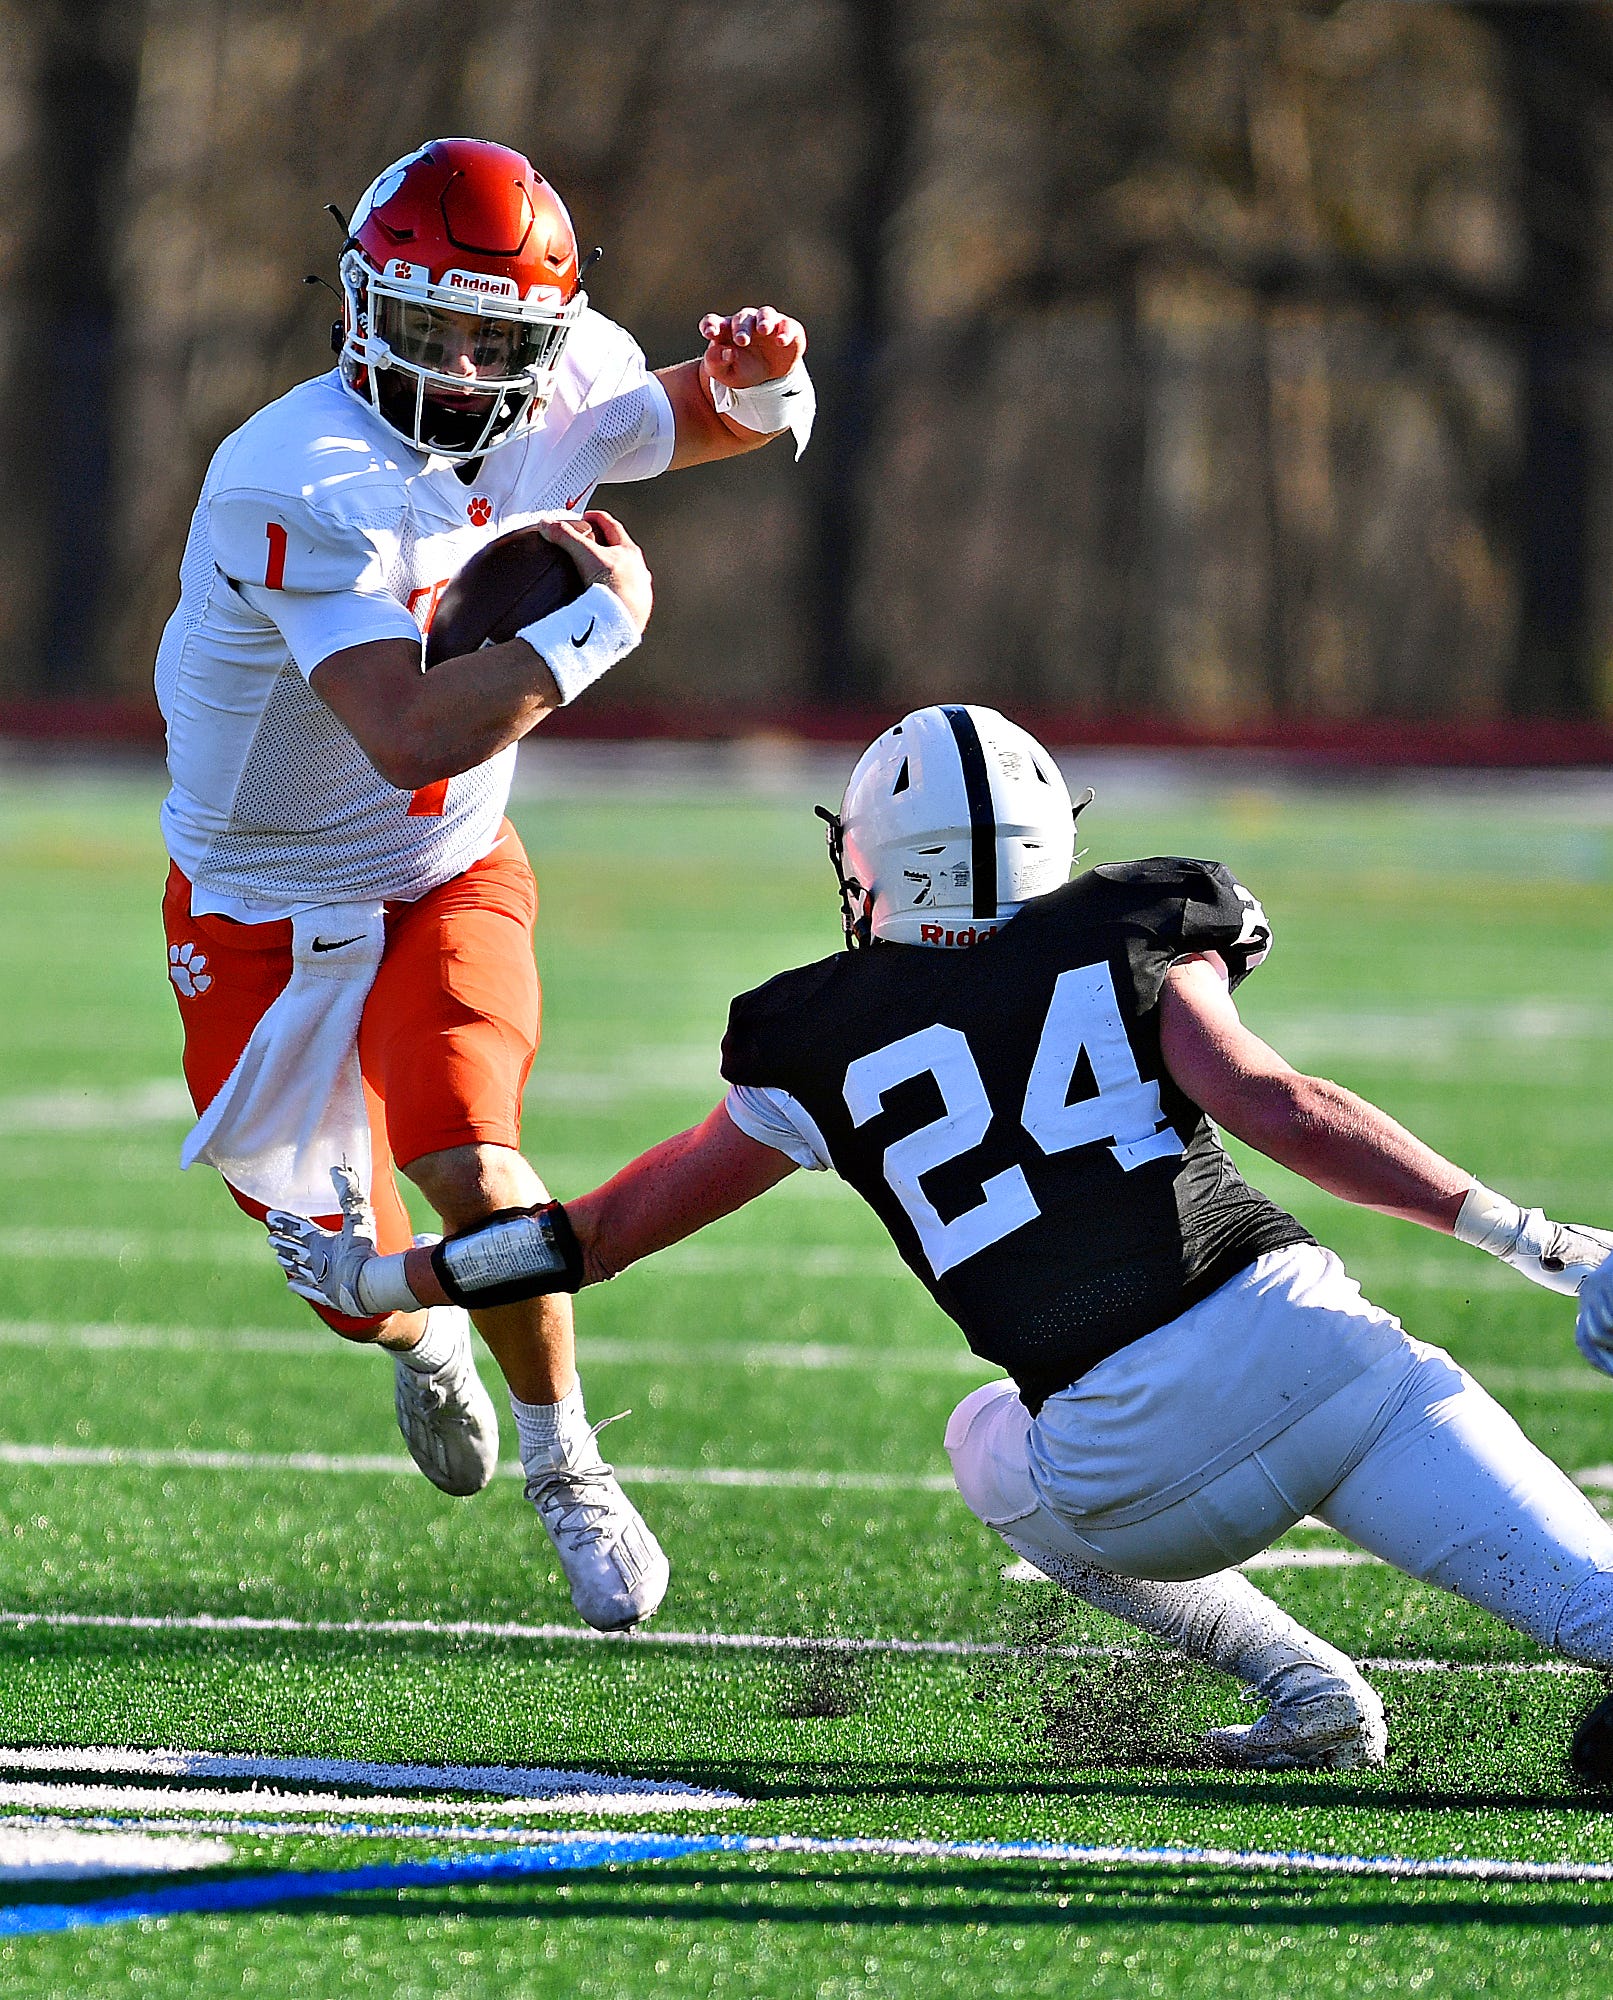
318,529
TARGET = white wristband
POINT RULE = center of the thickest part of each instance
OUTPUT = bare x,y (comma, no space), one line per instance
583,639
1488,1221
382,1287
787,403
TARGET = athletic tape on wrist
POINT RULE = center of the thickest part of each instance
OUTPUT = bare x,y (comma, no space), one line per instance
1488,1221
583,639
787,403
517,1253
382,1287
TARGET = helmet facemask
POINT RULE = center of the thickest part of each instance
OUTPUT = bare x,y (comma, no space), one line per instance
408,342
855,900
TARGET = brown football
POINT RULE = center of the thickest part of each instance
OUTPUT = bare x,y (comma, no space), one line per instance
504,586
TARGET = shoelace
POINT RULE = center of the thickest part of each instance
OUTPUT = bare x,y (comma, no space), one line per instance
565,1489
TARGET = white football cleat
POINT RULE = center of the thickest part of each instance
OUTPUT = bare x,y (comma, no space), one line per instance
447,1418
616,1568
1336,1727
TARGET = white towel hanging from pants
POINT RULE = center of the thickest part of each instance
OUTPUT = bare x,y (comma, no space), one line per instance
293,1106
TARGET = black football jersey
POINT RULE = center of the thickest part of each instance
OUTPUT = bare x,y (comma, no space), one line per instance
1006,1113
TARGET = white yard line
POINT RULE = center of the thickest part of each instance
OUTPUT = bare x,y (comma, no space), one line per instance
508,1781
63,1797
70,1854
393,1465
740,1642
157,1101
249,1826
1458,1868
807,1355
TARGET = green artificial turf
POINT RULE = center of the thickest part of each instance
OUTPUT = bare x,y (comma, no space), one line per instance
1449,958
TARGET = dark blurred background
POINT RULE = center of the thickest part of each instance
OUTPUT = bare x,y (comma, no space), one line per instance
1221,361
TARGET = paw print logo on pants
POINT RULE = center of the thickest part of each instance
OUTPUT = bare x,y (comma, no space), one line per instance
187,968
480,511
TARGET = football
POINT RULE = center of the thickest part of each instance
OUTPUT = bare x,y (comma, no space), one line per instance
504,586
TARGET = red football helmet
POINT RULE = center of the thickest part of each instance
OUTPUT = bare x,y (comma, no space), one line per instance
459,285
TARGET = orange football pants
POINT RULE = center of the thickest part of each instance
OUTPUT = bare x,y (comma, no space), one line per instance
449,1030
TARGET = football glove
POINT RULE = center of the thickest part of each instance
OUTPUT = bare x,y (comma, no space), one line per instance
1593,1330
1558,1255
325,1266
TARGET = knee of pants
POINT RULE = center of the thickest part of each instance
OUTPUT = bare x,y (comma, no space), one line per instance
985,1440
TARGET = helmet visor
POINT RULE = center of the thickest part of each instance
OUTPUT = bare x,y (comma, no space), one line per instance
477,350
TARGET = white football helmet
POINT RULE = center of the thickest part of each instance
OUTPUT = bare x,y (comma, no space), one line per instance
951,820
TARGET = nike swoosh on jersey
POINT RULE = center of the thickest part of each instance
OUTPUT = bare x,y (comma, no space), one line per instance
583,641
335,944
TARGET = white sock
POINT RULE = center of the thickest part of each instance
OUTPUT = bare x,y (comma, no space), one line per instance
542,1426
1222,1621
447,1331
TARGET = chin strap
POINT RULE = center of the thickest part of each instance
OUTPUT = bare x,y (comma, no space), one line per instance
855,908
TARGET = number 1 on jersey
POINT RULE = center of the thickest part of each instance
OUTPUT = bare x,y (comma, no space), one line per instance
274,567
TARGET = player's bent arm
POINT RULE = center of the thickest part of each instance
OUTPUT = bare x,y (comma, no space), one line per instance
1344,1144
416,728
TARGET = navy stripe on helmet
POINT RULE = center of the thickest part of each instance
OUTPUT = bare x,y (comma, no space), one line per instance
982,819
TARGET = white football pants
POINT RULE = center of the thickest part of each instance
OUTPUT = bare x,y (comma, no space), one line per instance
1413,1461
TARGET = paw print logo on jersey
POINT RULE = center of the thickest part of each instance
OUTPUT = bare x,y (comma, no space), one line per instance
187,968
480,511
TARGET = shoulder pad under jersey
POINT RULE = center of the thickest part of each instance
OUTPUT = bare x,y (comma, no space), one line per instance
1191,905
297,496
766,1020
601,359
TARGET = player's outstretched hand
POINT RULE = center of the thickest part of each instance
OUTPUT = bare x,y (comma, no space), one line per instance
1558,1255
606,553
323,1265
754,344
1593,1330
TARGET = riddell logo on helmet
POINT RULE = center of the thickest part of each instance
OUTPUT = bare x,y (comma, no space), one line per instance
484,282
970,934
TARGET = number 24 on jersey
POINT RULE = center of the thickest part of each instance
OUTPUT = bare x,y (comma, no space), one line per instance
1126,1112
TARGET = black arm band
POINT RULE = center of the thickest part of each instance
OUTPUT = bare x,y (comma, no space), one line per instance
517,1253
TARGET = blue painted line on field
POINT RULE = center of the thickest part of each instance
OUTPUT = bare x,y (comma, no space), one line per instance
253,1892
565,1855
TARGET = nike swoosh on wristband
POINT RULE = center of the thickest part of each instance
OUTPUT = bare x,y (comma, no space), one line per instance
335,944
583,641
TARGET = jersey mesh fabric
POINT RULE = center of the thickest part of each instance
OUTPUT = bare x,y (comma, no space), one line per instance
1050,1249
311,819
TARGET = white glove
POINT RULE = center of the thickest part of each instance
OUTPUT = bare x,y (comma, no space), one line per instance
1593,1330
1558,1255
322,1265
